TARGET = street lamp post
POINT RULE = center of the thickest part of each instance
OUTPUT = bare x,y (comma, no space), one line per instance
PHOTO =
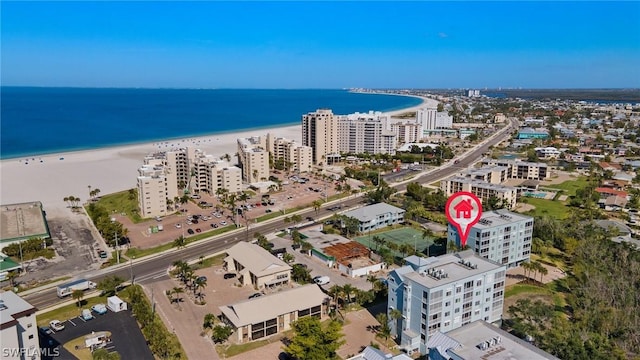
117,247
131,269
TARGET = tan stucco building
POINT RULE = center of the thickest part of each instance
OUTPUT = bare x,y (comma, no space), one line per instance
320,132
256,266
272,314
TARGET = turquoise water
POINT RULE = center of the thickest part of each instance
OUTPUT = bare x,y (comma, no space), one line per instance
39,121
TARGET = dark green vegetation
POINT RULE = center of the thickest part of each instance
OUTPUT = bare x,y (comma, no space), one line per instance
162,343
600,313
30,249
123,202
313,341
621,95
112,231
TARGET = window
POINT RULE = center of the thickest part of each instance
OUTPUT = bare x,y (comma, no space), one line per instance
31,336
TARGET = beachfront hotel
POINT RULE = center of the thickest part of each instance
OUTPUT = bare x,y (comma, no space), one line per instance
320,132
296,157
432,119
439,294
165,175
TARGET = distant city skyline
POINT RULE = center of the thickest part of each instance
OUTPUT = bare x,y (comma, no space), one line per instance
286,45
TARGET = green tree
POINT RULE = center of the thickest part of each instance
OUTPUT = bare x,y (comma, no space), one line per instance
384,330
313,341
110,285
180,242
77,295
300,274
221,333
209,321
316,205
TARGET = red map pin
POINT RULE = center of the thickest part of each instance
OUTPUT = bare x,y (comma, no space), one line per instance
463,210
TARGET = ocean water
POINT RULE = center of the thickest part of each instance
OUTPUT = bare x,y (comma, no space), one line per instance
38,121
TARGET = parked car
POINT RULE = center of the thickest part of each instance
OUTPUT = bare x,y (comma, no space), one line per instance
190,231
322,280
201,278
45,330
86,314
223,223
267,211
102,254
198,230
99,309
56,325
215,226
229,275
178,226
256,295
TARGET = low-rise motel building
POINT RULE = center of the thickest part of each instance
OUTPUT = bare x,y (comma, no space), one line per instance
271,314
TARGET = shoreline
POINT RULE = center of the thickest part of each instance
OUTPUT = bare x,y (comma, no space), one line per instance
51,177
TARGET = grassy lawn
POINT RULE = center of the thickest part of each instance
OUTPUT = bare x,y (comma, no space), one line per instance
138,253
518,289
570,187
121,202
83,353
552,208
235,349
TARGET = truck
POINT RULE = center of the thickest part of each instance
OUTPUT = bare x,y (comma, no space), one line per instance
68,288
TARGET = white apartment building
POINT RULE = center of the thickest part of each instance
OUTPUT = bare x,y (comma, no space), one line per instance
299,157
547,152
491,174
501,236
439,294
320,132
18,328
483,190
165,175
407,132
521,169
431,119
254,159
499,118
364,133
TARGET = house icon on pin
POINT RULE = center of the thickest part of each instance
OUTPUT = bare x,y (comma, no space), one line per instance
463,209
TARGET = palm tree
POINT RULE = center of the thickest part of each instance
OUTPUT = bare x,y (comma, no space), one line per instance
77,295
348,290
169,203
180,242
526,266
543,271
336,293
316,205
296,218
177,291
199,284
378,241
452,246
384,330
227,157
372,279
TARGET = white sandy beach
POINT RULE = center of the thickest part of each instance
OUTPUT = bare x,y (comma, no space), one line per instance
50,179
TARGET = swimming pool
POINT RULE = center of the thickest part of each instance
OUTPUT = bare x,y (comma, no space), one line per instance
537,195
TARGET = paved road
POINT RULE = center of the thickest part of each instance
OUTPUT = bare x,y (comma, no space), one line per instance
153,268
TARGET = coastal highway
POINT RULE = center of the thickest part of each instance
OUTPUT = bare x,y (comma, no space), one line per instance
148,269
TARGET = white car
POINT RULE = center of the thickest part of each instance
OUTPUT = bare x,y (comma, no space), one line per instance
178,226
322,280
223,223
56,325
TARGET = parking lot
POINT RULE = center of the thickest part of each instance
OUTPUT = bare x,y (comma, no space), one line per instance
127,339
292,194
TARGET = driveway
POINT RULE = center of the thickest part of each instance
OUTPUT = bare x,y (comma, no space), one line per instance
127,339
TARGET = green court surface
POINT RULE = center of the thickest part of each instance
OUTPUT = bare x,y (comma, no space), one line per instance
401,236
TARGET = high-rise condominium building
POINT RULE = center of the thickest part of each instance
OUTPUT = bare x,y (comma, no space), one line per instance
320,132
441,294
501,236
165,175
431,119
365,133
295,157
407,132
254,159
18,328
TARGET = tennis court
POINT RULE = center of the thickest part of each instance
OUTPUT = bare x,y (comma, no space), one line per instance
401,236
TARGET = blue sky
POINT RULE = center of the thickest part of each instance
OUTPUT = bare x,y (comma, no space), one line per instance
321,44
